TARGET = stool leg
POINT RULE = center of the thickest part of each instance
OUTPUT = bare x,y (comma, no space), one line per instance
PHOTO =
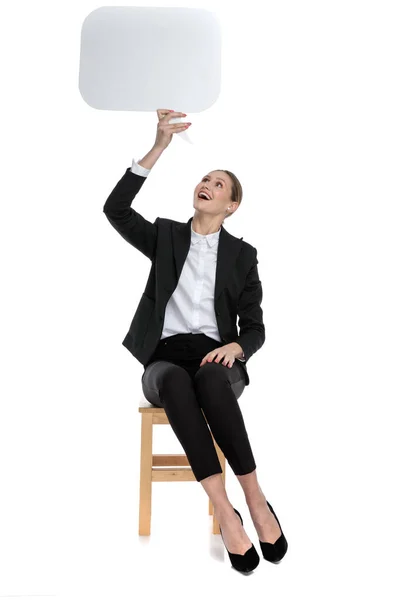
146,465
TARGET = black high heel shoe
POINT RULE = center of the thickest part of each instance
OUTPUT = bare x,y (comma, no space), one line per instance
243,562
276,551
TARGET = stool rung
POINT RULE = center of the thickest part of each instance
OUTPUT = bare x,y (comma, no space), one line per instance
179,474
170,460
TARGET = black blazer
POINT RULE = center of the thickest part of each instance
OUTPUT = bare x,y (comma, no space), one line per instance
238,291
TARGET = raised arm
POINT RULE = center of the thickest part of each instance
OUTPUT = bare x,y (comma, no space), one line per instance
131,225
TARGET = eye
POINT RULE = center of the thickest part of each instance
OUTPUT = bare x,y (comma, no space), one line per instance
206,178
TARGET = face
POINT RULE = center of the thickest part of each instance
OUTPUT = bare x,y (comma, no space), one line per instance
218,186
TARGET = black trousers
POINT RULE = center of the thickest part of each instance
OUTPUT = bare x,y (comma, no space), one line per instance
190,394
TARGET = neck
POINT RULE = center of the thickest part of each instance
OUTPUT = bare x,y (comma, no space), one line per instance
206,224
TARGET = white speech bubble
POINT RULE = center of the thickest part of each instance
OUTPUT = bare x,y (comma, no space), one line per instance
146,58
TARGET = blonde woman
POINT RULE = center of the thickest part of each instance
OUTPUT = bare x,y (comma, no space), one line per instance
184,334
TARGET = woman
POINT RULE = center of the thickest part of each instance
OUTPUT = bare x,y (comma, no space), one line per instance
177,337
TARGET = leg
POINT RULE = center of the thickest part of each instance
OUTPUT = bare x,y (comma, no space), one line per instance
218,392
169,385
264,521
145,475
235,537
217,388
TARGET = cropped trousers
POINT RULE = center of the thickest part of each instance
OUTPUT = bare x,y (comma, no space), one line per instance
193,396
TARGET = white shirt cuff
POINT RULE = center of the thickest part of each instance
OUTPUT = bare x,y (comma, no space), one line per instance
139,170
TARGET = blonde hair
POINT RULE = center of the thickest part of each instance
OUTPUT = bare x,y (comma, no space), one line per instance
237,191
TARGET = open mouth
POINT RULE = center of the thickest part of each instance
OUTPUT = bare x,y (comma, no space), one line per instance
203,196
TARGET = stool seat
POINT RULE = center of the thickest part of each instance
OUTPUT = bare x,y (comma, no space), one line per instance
144,403
163,467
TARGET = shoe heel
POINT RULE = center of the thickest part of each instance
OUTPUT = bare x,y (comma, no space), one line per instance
276,551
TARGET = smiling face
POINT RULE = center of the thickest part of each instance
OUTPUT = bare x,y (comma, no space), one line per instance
217,185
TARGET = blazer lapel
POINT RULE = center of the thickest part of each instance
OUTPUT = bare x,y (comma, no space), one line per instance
228,249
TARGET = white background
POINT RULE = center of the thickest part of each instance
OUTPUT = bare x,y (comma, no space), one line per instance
308,119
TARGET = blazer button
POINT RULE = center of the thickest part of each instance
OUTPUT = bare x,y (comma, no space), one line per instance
217,313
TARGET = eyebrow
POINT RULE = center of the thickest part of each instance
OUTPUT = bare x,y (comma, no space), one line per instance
215,178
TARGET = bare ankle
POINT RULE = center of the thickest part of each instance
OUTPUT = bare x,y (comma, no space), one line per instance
224,509
256,499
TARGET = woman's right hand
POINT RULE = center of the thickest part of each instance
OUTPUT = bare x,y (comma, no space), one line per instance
165,130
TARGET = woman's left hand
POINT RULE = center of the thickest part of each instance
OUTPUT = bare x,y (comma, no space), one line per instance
228,352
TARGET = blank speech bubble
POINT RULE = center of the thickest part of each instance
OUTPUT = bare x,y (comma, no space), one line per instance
143,59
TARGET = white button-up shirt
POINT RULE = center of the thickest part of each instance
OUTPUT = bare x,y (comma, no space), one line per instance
191,307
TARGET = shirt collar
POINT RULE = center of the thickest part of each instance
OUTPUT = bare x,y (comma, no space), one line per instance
211,238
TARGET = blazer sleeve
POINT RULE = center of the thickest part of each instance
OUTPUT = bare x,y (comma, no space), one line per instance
251,327
134,228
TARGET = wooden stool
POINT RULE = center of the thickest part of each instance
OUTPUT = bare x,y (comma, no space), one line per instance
152,466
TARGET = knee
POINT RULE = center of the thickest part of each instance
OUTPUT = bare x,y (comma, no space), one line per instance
175,377
212,373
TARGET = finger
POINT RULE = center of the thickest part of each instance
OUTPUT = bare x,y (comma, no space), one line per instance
162,112
175,127
171,126
204,359
172,115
